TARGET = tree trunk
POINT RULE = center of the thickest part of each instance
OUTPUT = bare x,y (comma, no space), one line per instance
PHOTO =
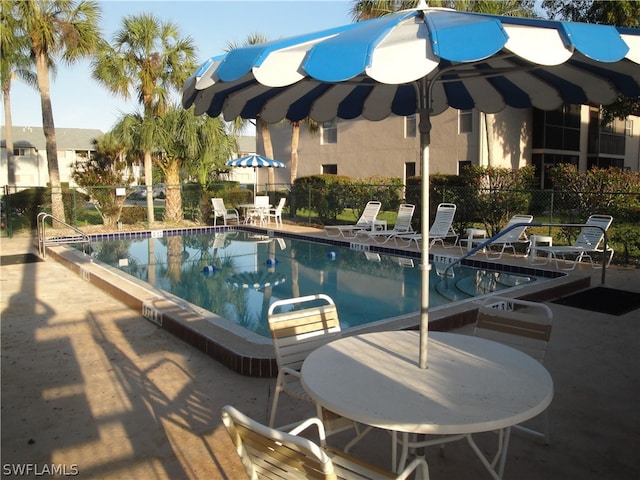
268,150
57,205
295,140
148,181
175,244
173,200
489,140
11,166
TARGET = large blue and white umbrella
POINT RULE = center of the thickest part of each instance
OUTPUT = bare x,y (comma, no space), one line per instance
423,61
256,161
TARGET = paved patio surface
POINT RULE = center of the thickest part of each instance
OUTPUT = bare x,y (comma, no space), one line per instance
89,385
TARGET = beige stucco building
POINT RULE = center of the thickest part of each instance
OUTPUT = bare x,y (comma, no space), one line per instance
511,138
391,148
29,167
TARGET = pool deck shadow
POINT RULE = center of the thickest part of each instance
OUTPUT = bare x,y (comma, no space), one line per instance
88,383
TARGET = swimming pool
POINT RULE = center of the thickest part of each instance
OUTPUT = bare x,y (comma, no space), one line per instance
249,353
238,274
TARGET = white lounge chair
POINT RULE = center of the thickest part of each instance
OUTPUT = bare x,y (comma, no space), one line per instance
276,213
401,227
270,453
219,210
440,230
367,221
587,243
520,324
517,235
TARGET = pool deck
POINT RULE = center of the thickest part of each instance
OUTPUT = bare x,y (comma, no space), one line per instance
89,384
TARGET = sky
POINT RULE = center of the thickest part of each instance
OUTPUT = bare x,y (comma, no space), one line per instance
80,102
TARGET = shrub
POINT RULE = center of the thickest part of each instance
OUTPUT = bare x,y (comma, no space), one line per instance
500,193
324,194
386,190
629,237
610,191
132,215
454,189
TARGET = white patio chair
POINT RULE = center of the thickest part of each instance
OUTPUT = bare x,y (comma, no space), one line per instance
440,230
219,210
276,213
367,221
515,236
587,243
401,227
296,332
270,453
523,325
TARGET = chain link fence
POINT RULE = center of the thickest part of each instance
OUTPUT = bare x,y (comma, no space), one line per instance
318,205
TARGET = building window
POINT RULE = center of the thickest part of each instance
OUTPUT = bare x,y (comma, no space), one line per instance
604,162
628,128
462,164
330,169
21,152
410,126
465,121
329,132
409,169
544,162
608,139
557,129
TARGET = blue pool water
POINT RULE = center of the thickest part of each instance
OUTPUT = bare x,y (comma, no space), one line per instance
238,274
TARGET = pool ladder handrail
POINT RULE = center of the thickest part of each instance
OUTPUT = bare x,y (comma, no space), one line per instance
489,241
43,241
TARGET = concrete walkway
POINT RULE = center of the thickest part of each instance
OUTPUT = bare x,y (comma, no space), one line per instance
88,385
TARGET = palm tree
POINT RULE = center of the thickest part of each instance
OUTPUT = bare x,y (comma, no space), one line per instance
15,61
183,139
367,9
151,58
313,127
216,145
60,29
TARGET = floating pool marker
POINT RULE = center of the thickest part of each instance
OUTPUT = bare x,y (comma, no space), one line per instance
272,261
331,255
209,269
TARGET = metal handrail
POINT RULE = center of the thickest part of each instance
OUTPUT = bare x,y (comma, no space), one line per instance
489,241
42,240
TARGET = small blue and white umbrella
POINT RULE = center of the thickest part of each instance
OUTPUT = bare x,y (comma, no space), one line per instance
256,280
420,61
255,161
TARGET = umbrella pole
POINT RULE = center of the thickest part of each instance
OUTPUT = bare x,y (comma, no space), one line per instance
425,140
255,183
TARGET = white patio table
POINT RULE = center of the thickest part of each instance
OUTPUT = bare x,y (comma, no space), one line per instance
471,385
252,207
